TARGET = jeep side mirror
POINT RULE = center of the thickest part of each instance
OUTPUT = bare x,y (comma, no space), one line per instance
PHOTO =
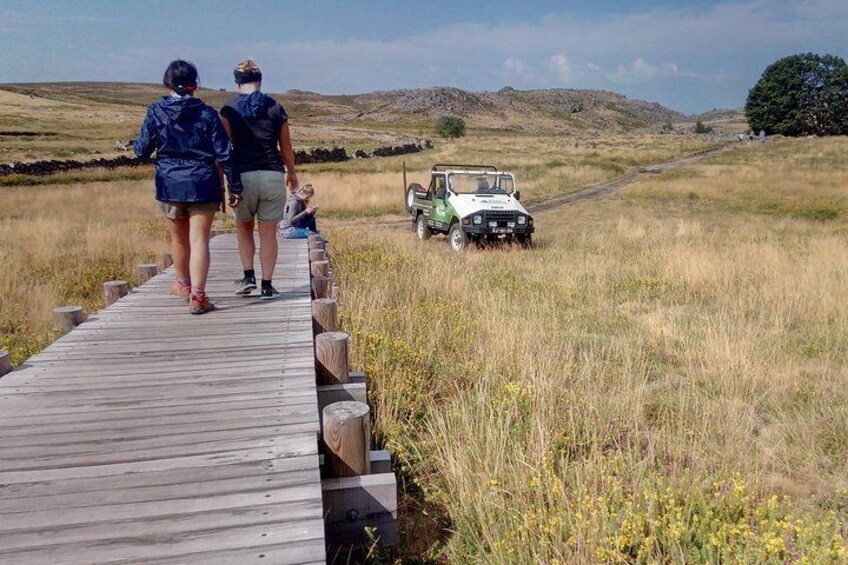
517,195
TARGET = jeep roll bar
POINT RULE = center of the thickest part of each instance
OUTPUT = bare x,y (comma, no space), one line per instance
442,167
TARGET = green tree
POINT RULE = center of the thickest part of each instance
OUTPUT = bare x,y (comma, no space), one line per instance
450,127
804,94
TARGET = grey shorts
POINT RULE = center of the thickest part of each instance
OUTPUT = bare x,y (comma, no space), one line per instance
180,210
263,198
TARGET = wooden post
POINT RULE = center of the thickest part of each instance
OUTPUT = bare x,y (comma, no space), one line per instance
335,292
5,363
315,241
331,354
321,287
146,271
66,318
347,436
317,255
320,268
167,260
114,291
324,315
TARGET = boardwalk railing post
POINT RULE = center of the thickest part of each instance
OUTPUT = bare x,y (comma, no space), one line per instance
316,241
321,287
317,255
66,318
320,268
114,291
347,436
5,363
331,354
146,271
167,260
324,316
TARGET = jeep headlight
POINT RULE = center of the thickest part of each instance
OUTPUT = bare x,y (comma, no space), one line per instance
522,220
477,219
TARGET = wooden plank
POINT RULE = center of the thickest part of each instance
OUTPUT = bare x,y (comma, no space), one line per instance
366,495
12,425
37,458
301,505
87,441
353,503
381,462
145,550
113,485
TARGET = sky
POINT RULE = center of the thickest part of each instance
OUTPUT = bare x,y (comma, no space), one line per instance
688,55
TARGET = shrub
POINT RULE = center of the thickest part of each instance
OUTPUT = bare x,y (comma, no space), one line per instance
450,127
701,128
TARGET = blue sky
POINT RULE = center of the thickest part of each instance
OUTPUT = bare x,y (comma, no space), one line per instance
692,56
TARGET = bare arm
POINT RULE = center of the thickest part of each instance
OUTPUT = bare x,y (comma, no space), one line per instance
287,153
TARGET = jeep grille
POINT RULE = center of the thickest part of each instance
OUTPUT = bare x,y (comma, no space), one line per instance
502,217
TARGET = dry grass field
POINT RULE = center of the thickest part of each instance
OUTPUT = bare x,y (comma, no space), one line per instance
58,244
661,379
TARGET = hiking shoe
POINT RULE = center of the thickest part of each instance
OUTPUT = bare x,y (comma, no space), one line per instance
245,286
269,293
200,304
181,291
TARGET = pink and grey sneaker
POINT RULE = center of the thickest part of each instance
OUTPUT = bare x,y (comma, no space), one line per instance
180,290
200,304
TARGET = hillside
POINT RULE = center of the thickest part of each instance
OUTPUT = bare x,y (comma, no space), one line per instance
508,108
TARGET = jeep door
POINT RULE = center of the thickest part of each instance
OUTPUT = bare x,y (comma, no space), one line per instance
441,213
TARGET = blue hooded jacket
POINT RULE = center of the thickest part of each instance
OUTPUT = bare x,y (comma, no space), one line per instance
189,139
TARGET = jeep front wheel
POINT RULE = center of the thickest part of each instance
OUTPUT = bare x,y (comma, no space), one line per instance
457,238
422,230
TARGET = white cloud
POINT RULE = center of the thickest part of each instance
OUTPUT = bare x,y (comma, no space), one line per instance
516,69
594,67
640,70
561,66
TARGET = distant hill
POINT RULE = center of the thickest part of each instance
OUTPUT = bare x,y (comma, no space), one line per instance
508,108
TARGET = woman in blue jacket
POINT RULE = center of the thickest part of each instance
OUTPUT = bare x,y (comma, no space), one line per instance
192,155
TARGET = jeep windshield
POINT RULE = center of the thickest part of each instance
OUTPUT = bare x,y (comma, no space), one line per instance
481,183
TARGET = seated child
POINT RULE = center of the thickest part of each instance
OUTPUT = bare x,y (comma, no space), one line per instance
298,217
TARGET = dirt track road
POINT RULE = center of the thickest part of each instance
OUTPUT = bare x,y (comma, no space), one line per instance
601,190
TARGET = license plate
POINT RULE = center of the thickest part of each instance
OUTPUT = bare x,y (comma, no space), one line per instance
502,230
511,224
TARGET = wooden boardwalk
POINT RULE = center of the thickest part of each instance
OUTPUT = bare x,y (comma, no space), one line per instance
147,435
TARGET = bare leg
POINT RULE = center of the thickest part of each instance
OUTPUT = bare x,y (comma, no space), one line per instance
268,248
246,245
180,250
200,224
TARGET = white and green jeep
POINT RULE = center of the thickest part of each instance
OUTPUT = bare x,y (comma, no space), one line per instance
469,203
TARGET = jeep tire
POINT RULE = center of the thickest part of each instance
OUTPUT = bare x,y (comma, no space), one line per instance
457,239
525,240
410,198
422,230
